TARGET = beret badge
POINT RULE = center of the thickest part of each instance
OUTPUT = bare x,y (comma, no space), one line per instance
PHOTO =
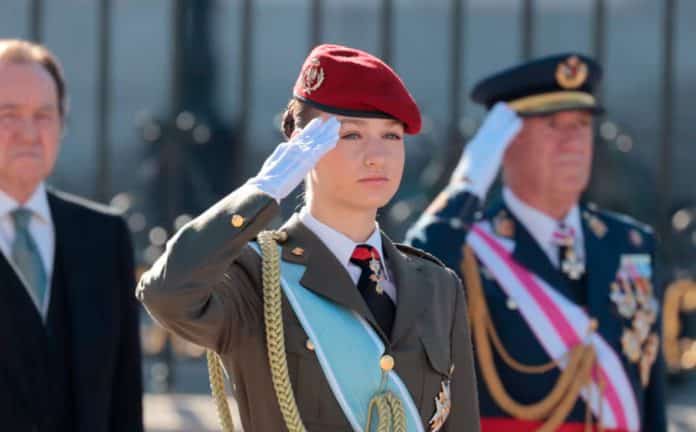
313,76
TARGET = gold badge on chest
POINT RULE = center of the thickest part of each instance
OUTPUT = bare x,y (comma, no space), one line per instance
633,295
443,405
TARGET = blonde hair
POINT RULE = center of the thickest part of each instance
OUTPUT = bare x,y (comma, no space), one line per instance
19,51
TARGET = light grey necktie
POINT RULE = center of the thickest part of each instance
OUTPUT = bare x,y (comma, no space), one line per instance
26,256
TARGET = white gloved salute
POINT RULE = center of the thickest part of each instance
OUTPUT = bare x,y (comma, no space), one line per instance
290,162
483,154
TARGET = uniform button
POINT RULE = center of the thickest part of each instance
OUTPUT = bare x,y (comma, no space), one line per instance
310,345
237,221
511,304
298,251
386,363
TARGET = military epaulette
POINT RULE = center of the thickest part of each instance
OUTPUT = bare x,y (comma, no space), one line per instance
410,250
637,233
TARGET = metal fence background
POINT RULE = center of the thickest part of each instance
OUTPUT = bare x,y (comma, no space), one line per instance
175,102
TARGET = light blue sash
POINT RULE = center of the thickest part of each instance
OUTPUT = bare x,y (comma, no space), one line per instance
348,350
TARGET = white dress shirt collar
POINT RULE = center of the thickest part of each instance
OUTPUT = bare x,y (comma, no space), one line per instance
541,226
37,203
338,243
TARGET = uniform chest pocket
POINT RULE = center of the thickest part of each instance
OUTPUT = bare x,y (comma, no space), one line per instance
318,406
439,362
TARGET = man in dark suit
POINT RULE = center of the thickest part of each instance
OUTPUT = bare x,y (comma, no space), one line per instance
68,324
564,312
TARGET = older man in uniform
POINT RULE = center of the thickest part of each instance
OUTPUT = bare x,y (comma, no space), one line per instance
563,307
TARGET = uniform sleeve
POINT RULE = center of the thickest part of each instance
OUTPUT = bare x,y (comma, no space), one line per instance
464,415
126,401
443,227
204,286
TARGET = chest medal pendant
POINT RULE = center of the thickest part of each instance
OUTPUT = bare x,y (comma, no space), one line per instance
443,405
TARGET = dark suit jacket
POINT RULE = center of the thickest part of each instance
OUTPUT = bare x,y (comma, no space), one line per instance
207,288
94,260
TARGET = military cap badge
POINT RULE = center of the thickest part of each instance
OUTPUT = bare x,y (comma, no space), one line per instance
571,73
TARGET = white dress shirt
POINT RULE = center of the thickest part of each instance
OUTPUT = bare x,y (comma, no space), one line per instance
541,226
41,229
342,247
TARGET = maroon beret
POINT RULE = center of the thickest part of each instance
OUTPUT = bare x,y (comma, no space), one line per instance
350,82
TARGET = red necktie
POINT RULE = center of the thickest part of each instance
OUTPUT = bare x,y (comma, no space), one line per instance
380,304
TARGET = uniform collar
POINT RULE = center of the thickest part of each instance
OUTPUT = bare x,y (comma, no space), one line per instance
37,203
338,243
540,225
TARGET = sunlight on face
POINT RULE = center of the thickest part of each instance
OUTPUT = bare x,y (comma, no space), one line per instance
364,170
30,123
552,154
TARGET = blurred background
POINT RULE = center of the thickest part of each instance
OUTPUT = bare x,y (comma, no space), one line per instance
174,103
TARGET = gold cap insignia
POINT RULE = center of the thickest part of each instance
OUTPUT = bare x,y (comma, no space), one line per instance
572,73
312,76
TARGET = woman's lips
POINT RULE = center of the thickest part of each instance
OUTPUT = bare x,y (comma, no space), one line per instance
373,180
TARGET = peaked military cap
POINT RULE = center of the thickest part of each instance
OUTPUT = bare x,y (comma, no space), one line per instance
543,86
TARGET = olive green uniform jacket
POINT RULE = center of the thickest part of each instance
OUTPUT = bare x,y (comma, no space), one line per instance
207,288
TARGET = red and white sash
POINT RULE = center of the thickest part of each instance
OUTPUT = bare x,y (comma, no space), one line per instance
559,325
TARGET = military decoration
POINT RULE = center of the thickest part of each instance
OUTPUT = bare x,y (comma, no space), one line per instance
377,275
571,264
631,345
633,295
443,405
649,356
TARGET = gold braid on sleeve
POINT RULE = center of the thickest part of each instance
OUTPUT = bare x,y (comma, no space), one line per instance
555,407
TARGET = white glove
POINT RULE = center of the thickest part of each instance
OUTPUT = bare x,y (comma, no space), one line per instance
290,162
483,155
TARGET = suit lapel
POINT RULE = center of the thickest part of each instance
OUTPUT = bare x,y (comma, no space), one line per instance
411,282
324,275
89,316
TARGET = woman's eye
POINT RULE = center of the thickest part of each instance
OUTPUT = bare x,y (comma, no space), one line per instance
393,136
351,136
